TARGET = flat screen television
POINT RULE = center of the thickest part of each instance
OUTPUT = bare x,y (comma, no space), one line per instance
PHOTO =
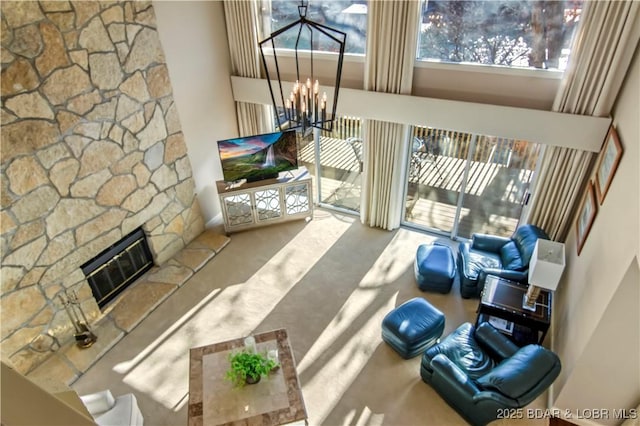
258,157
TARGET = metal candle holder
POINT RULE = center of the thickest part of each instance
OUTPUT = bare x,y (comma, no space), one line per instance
84,335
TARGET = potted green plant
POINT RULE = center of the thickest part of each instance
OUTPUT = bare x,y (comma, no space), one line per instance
248,367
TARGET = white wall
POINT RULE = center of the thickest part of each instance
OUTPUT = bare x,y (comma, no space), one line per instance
193,35
589,293
24,402
607,374
521,88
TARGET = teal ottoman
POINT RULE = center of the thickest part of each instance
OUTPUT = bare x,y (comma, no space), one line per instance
412,327
435,267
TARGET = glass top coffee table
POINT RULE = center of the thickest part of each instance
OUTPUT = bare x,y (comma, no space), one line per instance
213,400
502,300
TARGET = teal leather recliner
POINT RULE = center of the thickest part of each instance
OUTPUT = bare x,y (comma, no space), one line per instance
493,255
482,374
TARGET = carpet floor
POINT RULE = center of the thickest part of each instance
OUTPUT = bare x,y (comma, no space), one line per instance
329,282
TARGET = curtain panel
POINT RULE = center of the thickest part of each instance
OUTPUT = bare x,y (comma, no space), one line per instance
602,52
241,18
381,194
389,65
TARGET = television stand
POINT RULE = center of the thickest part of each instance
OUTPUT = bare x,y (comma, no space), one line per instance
248,205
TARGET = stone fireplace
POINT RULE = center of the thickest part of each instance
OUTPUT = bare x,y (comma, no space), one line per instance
92,149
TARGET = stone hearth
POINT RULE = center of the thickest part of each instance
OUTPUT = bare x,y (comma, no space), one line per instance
69,362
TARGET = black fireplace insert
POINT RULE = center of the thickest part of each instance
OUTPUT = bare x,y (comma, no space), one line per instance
110,272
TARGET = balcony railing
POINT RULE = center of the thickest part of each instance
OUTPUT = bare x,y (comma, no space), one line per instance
500,172
451,143
492,149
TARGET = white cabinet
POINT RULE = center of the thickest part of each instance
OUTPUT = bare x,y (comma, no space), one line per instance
248,205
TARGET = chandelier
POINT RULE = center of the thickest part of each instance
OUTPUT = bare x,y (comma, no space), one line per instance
301,105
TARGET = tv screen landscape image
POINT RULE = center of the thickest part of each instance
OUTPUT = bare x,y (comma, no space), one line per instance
258,157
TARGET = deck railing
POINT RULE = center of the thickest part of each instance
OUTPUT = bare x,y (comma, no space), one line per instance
450,143
345,127
505,151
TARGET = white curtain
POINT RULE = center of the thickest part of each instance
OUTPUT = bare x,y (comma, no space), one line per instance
389,64
601,54
241,18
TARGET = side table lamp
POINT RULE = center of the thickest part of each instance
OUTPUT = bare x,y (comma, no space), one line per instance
545,270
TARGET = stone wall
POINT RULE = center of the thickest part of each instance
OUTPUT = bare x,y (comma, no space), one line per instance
91,149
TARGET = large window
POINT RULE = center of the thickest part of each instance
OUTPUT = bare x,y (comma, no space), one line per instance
460,183
347,16
514,33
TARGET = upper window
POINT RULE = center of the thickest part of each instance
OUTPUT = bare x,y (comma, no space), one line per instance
349,17
513,33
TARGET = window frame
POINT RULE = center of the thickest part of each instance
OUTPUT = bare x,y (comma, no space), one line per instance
318,54
470,67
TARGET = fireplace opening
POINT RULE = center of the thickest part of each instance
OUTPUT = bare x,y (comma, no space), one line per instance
110,272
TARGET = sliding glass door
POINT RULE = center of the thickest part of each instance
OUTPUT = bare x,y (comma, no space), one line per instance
459,183
335,162
499,175
435,175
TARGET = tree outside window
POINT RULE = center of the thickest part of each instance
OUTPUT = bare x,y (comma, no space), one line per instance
349,17
514,33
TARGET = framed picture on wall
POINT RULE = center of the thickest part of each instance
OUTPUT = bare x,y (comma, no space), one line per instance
588,208
608,163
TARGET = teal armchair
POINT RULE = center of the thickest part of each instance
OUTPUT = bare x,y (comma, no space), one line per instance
507,258
482,374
